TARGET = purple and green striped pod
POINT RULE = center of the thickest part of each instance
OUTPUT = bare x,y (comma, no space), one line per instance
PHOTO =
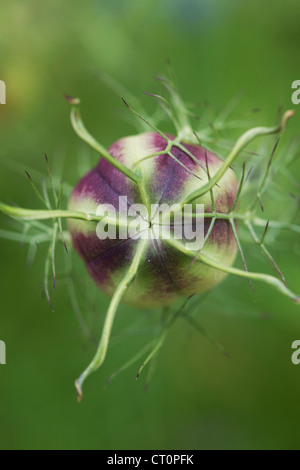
165,273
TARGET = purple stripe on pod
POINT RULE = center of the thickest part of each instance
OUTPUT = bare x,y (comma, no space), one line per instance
111,260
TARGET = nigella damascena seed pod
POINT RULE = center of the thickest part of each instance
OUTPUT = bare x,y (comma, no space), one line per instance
165,272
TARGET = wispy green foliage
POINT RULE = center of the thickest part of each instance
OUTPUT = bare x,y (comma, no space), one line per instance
250,212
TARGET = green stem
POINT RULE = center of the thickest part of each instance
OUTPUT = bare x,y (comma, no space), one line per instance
250,217
181,112
156,348
19,237
170,143
264,249
275,224
129,363
119,292
31,214
266,278
82,132
167,324
242,142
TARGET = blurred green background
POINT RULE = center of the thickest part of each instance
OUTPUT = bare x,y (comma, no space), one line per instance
198,399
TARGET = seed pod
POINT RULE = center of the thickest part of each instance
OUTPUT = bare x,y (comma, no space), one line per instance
165,272
154,169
